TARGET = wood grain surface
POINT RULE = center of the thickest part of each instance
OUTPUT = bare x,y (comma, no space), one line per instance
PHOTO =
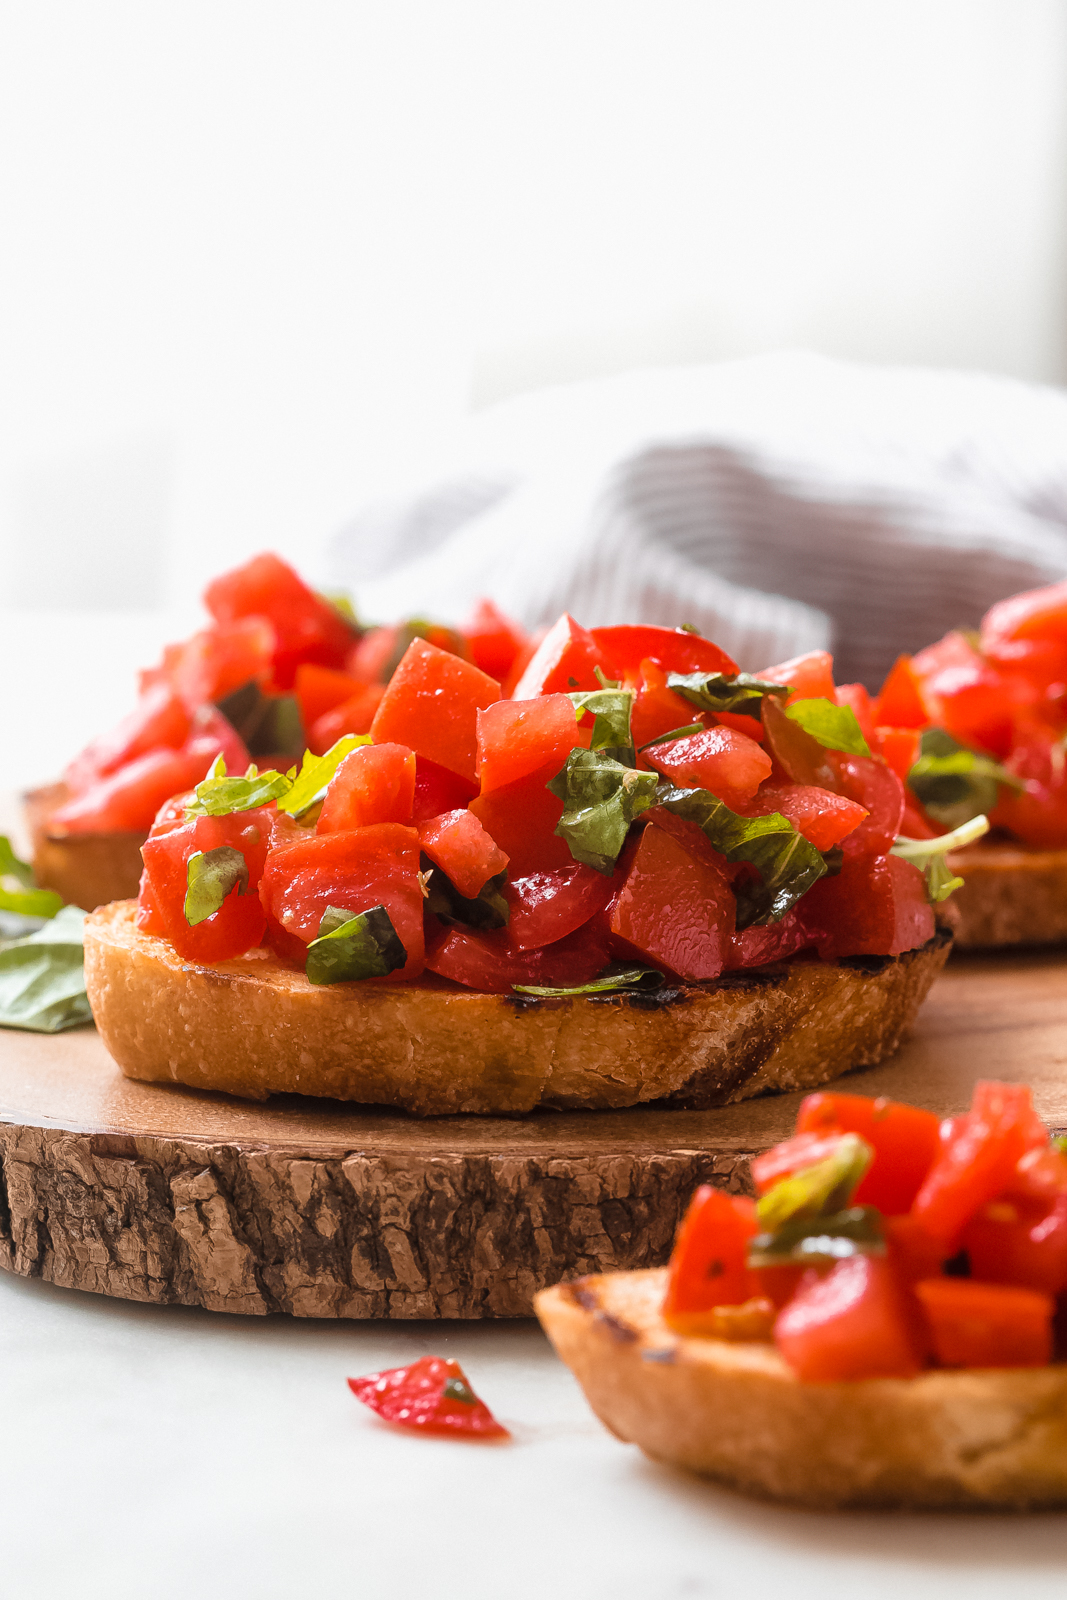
159,1193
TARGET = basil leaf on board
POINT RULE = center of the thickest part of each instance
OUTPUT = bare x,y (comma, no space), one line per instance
488,909
350,947
312,781
741,694
820,1240
834,727
211,875
219,796
607,983
929,856
954,783
612,709
42,980
601,798
787,864
17,891
818,1190
269,724
675,733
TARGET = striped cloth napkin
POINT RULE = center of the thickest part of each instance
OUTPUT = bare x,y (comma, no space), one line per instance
780,503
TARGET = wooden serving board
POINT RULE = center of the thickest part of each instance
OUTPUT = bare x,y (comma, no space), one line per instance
325,1210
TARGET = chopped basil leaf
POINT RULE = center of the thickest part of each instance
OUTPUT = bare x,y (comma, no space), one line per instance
316,772
604,681
456,1389
611,709
42,981
929,856
351,947
17,891
625,978
211,875
601,798
741,694
488,909
787,864
953,783
269,724
834,727
218,796
819,1240
675,733
818,1190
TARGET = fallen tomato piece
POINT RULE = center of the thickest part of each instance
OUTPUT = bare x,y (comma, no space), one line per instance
433,1395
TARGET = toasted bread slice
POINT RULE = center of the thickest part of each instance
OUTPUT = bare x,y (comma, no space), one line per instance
255,1027
1011,895
736,1412
87,869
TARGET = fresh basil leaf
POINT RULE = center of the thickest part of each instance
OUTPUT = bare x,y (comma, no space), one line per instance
834,727
457,1390
211,875
218,796
611,709
17,891
607,983
818,1190
675,733
601,797
488,909
353,947
954,783
820,1240
787,864
929,856
269,724
42,981
741,694
315,773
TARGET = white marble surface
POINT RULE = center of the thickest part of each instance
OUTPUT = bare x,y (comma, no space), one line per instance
164,1452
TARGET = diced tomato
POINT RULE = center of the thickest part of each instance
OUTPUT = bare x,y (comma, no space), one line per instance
546,906
858,701
521,662
158,720
805,1149
517,737
905,1141
1039,1178
657,709
965,695
354,715
522,818
438,790
149,918
211,735
432,704
321,689
810,676
626,648
822,817
376,783
979,1159
1036,614
1006,1245
768,942
709,1265
730,765
675,908
564,660
372,866
239,924
915,824
218,660
432,1395
307,627
870,784
898,748
985,1324
900,704
491,961
798,758
493,639
1037,815
875,906
912,1252
369,659
779,1284
1037,663
850,1324
127,800
458,844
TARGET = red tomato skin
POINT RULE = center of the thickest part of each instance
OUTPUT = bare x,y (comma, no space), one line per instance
675,908
810,676
376,783
986,1325
978,1159
872,907
458,844
370,657
915,824
1035,614
149,918
212,734
437,790
804,1149
898,748
824,818
307,627
431,705
1037,816
657,709
414,1397
493,639
730,765
1040,1176
371,866
905,1141
353,715
773,941
850,1324
912,1253
521,818
564,660
709,1265
158,720
546,906
127,800
321,689
240,923
856,698
491,963
1006,1248
965,695
218,660
520,663
518,737
625,648
900,703
870,784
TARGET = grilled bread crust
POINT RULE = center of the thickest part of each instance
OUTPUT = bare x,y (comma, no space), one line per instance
966,1440
1010,895
87,869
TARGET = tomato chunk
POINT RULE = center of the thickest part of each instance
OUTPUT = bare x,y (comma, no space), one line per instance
858,701
805,1149
493,639
709,1265
458,844
905,1141
376,783
1006,1245
730,765
432,1395
965,695
675,908
979,1158
657,709
822,817
986,1324
564,660
239,924
672,649
158,720
1036,614
521,817
307,627
353,715
851,1323
546,906
769,942
900,703
870,784
321,689
875,906
518,737
213,663
438,790
125,801
432,704
810,676
898,748
492,962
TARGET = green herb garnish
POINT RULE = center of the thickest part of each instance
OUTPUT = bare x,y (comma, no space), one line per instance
741,694
675,733
834,727
210,876
18,892
488,909
607,983
42,978
269,724
954,783
311,782
818,1190
218,796
352,947
601,797
929,856
820,1240
611,709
